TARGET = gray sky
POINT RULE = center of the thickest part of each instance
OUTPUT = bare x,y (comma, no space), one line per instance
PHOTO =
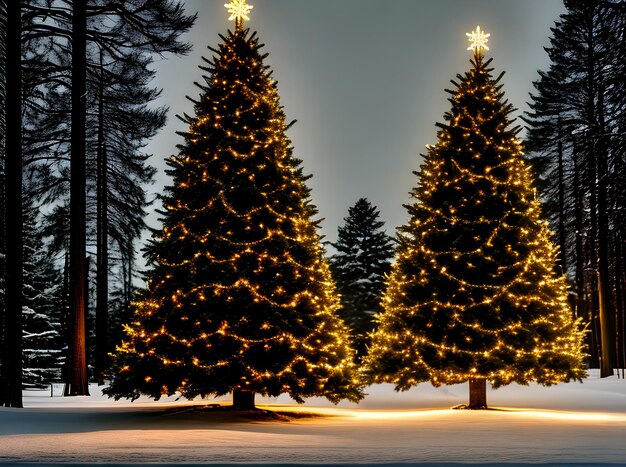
365,79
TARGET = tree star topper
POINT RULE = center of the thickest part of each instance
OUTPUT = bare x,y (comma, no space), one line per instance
478,39
238,10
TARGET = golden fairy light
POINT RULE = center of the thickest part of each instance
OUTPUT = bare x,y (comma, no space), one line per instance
478,40
238,10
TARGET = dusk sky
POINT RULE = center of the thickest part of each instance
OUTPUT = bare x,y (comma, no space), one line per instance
365,79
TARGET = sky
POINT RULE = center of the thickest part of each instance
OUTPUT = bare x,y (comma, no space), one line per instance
365,80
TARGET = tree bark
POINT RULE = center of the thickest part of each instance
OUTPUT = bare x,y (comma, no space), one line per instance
477,393
605,309
11,365
243,399
562,232
129,289
582,310
592,242
102,253
619,304
77,353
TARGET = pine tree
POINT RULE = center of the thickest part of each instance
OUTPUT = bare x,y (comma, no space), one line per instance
43,304
363,258
575,135
239,297
473,295
102,52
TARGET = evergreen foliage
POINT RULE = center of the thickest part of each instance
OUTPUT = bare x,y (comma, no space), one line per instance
239,297
363,258
473,294
576,128
43,304
88,66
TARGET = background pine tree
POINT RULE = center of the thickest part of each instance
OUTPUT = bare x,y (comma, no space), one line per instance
43,306
364,253
239,298
473,295
576,128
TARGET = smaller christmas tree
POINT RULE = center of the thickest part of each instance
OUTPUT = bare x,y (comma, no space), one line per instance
473,295
363,258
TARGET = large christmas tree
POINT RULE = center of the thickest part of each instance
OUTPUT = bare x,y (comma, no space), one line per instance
239,297
473,295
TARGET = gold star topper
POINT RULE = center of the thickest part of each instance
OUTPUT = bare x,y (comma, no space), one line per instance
478,39
238,10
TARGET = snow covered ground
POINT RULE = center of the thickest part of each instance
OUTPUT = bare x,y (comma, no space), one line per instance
568,423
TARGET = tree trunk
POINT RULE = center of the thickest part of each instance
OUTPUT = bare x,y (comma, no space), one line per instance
102,254
77,357
562,232
592,239
606,324
590,115
619,303
578,241
11,364
582,310
605,310
129,295
243,399
88,322
478,393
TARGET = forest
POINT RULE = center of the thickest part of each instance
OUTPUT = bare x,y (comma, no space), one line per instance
77,111
76,95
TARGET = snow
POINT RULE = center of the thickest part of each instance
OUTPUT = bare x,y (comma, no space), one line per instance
567,423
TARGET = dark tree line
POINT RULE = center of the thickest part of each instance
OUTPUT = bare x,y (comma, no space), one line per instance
85,116
577,138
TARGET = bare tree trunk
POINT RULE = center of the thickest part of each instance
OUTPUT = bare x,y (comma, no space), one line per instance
593,259
620,280
129,289
619,296
77,356
102,254
606,312
582,310
590,116
11,378
243,399
562,233
578,223
125,292
478,393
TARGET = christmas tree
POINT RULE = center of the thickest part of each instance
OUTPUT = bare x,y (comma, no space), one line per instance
239,297
473,295
364,253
